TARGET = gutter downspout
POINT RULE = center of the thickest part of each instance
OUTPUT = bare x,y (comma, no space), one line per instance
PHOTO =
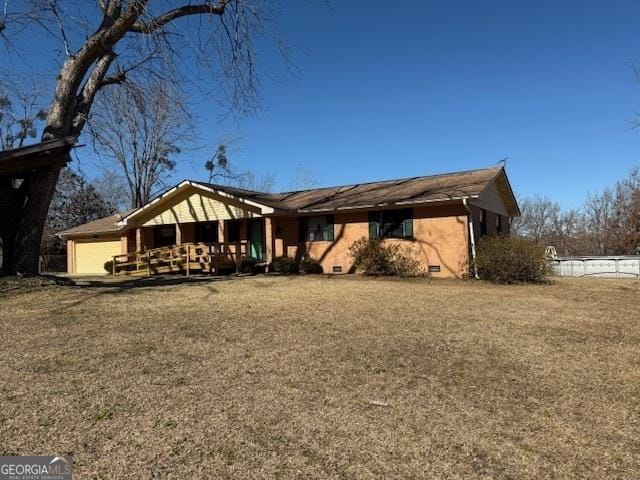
472,239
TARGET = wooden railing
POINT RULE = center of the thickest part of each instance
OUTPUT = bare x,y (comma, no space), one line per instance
185,257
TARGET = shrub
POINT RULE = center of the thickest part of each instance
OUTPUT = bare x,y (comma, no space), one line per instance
375,257
108,266
404,261
510,260
310,265
248,265
284,265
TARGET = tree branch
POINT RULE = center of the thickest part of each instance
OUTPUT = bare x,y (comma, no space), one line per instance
88,93
160,21
116,79
54,9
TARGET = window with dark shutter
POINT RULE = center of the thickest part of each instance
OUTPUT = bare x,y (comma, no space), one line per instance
374,225
391,224
319,229
483,222
408,225
330,228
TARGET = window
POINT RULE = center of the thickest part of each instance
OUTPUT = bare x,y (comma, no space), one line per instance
317,229
207,232
483,222
391,224
164,236
499,224
232,228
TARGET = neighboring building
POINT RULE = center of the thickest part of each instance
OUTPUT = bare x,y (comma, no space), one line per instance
442,216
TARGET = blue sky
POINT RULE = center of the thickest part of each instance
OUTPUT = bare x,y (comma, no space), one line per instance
388,91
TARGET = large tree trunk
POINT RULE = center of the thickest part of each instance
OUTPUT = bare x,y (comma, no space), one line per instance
23,212
38,193
8,227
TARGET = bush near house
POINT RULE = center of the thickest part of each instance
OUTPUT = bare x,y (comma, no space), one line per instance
108,266
248,265
511,260
377,258
310,265
284,264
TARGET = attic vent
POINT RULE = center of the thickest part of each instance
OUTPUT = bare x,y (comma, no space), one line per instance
337,269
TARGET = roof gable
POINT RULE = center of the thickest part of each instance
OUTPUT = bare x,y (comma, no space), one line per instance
166,197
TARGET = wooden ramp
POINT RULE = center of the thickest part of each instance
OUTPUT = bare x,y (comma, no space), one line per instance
185,258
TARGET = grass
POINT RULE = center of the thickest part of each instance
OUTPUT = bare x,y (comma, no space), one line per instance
315,378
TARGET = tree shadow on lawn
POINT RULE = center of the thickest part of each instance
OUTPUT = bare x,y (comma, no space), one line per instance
116,285
97,286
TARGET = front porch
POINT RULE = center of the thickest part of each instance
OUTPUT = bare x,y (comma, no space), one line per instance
182,258
209,247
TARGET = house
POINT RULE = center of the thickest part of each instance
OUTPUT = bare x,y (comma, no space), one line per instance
207,227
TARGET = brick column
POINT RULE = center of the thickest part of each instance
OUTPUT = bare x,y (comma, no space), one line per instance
221,238
139,239
71,252
268,239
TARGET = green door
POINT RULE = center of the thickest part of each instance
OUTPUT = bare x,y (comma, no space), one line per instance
256,239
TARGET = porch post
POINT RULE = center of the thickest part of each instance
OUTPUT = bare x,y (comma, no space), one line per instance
139,239
178,234
221,238
268,239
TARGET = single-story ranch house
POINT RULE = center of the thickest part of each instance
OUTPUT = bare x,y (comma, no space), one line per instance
201,226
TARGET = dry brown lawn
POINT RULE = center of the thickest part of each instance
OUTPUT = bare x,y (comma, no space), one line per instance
272,377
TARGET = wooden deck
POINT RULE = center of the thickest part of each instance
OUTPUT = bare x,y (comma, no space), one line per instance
185,258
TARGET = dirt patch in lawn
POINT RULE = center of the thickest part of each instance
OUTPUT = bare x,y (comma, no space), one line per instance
315,377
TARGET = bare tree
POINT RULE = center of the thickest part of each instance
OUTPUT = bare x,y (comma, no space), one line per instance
607,224
544,221
109,42
303,177
598,216
220,170
22,114
538,218
218,166
113,189
75,201
626,214
263,182
140,132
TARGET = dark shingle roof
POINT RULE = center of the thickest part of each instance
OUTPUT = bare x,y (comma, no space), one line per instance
102,225
384,193
434,188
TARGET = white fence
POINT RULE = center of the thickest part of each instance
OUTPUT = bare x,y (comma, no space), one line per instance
614,267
